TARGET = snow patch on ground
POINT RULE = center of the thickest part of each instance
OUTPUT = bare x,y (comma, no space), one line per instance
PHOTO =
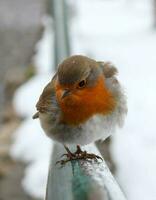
33,147
28,94
30,143
44,58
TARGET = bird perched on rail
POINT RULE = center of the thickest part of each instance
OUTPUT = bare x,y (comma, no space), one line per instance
83,103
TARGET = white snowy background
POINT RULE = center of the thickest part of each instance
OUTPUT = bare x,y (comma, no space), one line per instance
111,30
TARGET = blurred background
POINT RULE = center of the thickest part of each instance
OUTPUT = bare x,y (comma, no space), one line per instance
120,31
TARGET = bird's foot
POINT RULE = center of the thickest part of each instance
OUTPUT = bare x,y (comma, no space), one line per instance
77,155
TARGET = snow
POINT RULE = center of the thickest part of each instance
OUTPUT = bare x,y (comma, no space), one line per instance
29,92
33,147
35,180
30,134
119,31
30,143
44,57
27,95
102,180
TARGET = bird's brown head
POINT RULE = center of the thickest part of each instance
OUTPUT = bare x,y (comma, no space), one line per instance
81,91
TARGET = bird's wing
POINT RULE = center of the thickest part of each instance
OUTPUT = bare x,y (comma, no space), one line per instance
44,103
111,81
109,70
113,84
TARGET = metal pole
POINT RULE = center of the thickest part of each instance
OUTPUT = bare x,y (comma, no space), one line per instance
60,15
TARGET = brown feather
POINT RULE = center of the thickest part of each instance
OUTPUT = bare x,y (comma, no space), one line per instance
109,70
44,103
75,68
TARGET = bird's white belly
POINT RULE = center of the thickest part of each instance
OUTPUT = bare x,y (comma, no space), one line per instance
97,127
93,130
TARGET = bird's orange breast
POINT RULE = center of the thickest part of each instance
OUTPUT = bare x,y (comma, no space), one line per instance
84,103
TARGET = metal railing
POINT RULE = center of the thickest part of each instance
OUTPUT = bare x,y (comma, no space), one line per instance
77,180
60,16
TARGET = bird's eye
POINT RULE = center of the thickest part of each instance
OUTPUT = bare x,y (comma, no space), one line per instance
82,84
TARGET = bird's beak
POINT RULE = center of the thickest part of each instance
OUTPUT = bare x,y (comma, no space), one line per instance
65,93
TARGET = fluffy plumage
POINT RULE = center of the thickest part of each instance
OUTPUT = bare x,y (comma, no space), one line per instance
87,114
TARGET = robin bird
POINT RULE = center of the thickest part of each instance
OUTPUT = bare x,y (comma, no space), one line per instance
83,103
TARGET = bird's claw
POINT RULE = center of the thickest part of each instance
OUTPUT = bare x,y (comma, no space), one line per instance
77,155
62,162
